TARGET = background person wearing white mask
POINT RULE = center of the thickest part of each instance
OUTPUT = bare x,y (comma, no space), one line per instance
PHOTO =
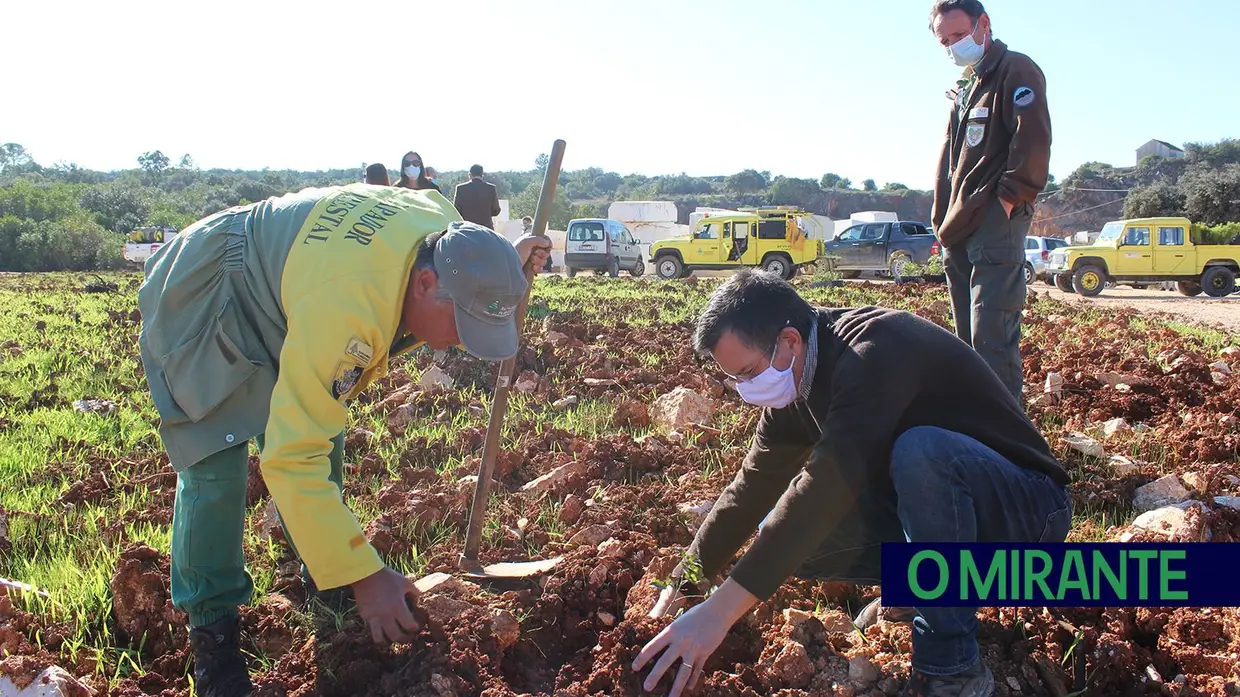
413,174
877,425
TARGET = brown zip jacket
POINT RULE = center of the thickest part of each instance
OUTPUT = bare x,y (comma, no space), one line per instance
998,143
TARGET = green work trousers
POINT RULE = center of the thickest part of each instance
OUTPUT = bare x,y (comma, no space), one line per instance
209,578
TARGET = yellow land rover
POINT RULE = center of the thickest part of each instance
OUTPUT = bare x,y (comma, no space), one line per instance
1147,250
771,238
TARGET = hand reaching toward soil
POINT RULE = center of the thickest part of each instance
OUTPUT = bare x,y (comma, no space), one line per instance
669,603
694,636
383,602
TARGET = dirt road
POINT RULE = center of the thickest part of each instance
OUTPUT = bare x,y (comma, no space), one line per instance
1221,312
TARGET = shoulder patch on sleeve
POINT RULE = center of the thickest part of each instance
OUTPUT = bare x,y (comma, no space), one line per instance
1023,96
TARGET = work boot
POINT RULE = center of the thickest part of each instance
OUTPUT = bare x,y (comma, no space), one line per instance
219,667
976,681
873,613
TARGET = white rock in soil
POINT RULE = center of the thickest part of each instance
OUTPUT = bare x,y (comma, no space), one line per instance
861,671
1218,378
1085,445
435,377
606,618
1231,353
1042,400
696,511
611,548
52,682
565,403
549,480
1152,673
1122,466
526,382
681,407
1228,501
1195,481
591,536
1221,367
1172,521
1054,384
1114,426
1229,423
1116,379
1160,492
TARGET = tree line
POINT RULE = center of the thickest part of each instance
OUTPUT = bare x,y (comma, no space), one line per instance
65,217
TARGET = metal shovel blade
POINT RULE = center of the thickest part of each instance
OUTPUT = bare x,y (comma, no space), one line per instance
508,569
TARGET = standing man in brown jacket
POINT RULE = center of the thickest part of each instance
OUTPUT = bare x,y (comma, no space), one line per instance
993,165
476,200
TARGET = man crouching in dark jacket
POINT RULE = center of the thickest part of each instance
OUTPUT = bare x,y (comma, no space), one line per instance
878,426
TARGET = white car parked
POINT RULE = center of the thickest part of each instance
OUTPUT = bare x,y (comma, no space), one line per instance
1037,253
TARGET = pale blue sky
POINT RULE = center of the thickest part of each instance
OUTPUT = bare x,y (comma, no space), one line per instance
796,87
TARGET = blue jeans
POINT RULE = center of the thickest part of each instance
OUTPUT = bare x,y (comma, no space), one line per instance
943,487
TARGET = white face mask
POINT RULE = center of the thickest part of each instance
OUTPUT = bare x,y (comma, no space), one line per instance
413,171
966,51
772,387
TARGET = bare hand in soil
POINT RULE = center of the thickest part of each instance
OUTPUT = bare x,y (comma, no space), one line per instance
669,602
535,248
383,602
692,639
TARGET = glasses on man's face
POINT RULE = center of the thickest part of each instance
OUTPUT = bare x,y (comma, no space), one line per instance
751,374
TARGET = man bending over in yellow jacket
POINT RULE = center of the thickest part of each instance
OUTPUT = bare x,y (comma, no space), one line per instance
261,322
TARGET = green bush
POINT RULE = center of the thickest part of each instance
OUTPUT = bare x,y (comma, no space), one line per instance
26,245
1217,234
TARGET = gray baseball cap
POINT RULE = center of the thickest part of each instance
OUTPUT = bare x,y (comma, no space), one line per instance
481,272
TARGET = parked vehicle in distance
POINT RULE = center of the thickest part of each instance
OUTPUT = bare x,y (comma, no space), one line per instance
883,247
1147,251
1038,255
145,241
770,238
601,245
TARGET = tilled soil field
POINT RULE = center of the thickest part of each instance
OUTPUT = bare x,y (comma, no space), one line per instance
618,442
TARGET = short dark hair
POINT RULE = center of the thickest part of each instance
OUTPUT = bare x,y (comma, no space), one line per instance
475,171
756,306
425,257
973,8
377,174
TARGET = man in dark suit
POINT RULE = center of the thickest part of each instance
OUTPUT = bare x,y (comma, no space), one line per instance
476,200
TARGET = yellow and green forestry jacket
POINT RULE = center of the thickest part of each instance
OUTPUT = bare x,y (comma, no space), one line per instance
266,319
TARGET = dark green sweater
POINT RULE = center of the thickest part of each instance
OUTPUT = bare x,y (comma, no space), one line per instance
880,372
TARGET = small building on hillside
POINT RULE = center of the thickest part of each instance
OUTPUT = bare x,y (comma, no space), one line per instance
1158,148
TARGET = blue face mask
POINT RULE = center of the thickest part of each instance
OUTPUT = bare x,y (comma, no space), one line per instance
966,51
413,171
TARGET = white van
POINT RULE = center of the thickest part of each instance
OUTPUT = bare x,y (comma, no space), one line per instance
601,244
